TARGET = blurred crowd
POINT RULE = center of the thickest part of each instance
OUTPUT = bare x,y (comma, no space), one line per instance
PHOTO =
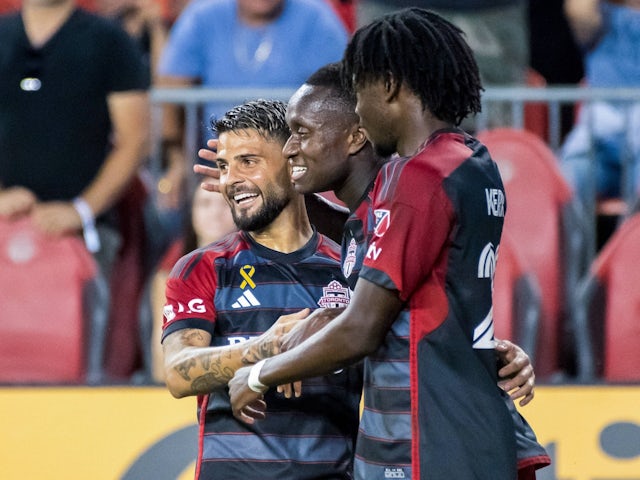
75,132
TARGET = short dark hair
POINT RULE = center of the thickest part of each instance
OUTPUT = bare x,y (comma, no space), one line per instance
267,117
330,76
423,50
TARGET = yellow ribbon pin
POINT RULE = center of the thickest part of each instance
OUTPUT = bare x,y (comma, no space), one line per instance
247,272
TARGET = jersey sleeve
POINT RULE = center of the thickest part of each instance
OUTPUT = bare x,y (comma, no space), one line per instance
189,295
411,228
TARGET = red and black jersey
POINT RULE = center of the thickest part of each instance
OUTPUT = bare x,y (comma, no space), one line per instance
235,289
433,409
355,237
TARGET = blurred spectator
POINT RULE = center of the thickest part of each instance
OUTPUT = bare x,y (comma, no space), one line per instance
241,44
8,6
496,30
554,52
73,122
209,221
605,131
144,20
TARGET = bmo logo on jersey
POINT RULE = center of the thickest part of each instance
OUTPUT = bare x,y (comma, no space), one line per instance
239,339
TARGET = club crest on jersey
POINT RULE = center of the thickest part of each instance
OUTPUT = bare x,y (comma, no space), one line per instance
350,258
334,295
383,221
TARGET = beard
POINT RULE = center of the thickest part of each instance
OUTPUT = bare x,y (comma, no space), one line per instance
272,207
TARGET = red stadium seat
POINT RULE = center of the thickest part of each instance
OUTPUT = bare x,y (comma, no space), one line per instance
44,315
608,310
546,231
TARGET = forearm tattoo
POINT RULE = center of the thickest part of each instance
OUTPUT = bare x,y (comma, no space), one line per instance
217,371
258,351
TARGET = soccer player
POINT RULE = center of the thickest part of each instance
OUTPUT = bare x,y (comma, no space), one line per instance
223,297
328,150
425,287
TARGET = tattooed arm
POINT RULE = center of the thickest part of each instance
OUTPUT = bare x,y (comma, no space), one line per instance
193,367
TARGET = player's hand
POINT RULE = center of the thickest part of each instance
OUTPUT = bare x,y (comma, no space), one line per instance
56,218
247,405
307,327
16,201
517,375
291,389
210,155
270,342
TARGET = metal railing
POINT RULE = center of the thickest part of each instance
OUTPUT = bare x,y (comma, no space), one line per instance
516,98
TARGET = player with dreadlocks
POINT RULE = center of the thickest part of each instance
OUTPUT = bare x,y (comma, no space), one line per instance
421,312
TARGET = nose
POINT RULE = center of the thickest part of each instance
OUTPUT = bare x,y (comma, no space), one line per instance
230,175
291,148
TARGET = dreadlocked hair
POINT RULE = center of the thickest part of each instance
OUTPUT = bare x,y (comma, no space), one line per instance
267,117
423,50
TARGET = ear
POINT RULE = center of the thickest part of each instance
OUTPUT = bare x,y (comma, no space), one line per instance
391,87
357,140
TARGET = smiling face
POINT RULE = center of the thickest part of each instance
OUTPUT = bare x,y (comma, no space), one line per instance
254,178
321,134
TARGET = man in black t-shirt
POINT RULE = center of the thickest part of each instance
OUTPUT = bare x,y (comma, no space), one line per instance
73,118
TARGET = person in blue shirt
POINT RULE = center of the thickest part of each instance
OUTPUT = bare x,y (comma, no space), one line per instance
609,33
241,44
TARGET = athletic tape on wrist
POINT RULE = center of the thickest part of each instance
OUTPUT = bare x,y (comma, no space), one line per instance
91,238
254,378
